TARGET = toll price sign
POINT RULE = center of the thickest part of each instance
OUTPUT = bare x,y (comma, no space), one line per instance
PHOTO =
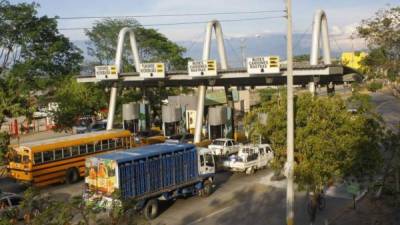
106,72
204,68
263,65
152,70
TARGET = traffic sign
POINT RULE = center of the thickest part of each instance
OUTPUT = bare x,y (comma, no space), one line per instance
204,68
152,70
263,65
106,72
353,188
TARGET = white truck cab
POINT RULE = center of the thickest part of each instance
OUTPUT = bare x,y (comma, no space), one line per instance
250,158
206,161
223,146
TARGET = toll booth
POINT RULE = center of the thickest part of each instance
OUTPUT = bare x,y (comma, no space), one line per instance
136,116
217,122
171,119
130,116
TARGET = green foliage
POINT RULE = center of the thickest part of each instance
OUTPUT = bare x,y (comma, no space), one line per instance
152,45
374,86
75,100
382,33
267,93
34,51
4,142
330,142
301,58
34,56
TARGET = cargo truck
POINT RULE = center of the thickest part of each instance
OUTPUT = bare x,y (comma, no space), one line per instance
150,174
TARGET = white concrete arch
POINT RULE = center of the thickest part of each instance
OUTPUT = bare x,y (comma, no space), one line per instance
320,25
120,46
118,63
220,43
214,24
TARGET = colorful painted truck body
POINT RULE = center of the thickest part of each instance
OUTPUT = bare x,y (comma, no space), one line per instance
151,173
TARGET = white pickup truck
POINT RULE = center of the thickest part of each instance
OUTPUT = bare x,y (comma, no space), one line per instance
250,158
223,146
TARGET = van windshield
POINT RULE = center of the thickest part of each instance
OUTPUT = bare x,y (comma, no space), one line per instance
218,142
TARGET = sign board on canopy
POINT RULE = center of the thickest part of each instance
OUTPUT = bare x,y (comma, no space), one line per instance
106,72
152,70
203,68
263,65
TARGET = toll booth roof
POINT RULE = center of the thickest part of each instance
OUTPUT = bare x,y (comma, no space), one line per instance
144,152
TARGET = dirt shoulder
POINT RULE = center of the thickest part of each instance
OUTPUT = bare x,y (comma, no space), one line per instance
370,211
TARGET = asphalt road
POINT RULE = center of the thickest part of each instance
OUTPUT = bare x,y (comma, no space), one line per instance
244,199
388,107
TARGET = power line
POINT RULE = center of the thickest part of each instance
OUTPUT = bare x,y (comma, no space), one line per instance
301,38
168,15
187,23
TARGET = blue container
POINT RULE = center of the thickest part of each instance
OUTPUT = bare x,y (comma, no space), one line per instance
153,168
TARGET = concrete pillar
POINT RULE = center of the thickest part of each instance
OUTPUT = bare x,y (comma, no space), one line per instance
311,87
111,107
199,113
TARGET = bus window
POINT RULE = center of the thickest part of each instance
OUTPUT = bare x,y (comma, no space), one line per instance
112,143
90,148
75,150
58,154
25,159
119,142
82,149
97,146
38,157
48,156
104,144
67,152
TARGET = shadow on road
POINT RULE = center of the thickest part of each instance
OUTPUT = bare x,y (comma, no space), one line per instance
10,185
256,205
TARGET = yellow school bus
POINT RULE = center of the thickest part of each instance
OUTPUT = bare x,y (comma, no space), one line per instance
62,159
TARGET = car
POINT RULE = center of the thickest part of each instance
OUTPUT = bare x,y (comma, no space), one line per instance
9,203
98,126
141,137
182,138
85,127
223,146
250,158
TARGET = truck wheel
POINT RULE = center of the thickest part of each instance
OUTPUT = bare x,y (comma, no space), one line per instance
150,210
72,175
207,189
250,170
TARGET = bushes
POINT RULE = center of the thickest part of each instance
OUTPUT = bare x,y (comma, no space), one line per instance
374,86
4,142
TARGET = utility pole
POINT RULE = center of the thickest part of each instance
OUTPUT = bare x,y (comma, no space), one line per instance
290,119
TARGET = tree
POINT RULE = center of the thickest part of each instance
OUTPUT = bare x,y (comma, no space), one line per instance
152,45
330,142
382,34
34,56
33,50
75,100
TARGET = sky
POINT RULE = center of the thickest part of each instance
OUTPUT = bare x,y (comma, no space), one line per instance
343,16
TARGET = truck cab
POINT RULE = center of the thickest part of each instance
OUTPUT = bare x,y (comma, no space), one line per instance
206,161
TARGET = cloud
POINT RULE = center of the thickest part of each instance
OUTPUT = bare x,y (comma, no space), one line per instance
344,38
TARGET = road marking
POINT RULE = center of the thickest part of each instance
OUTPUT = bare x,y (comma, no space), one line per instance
210,215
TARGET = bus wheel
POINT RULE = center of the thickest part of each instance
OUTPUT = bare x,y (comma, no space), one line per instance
72,175
150,210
